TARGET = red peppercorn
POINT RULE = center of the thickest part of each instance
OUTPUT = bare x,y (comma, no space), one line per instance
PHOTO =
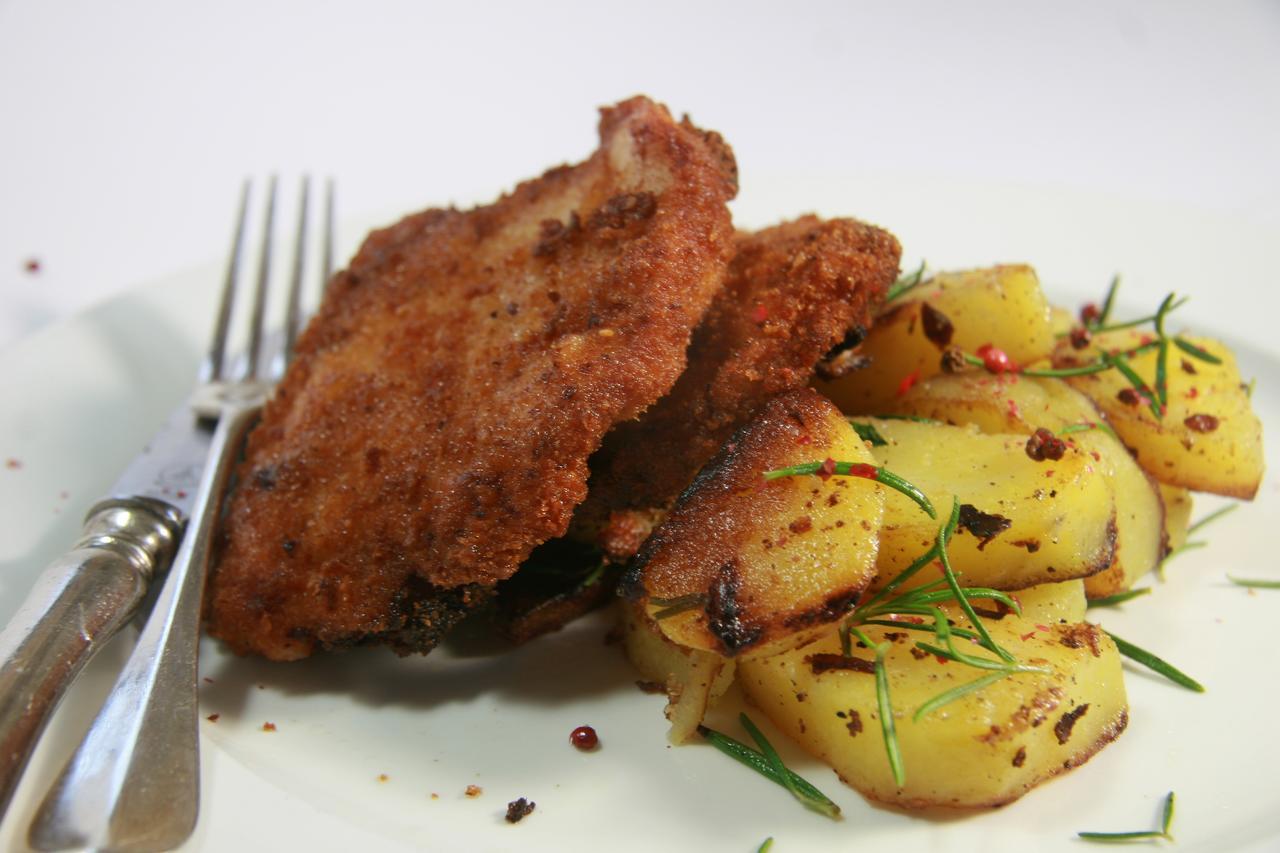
995,360
584,738
1080,337
1090,313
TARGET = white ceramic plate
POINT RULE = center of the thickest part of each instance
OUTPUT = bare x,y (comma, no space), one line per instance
364,740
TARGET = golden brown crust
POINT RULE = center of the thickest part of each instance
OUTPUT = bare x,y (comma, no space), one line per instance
438,418
793,292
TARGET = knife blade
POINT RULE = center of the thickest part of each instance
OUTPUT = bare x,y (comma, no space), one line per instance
84,597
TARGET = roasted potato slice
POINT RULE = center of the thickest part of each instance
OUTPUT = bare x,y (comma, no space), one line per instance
1011,403
693,679
1208,439
985,749
1029,522
1000,305
753,561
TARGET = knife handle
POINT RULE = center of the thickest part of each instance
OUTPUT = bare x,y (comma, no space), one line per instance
79,602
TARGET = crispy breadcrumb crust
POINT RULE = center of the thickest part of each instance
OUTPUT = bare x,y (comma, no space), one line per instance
793,292
436,423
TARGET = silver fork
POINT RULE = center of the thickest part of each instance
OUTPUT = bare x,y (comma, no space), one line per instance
134,782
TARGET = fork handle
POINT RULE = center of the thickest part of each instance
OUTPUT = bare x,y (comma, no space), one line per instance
79,602
133,784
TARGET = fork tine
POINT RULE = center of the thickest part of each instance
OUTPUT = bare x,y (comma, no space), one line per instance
214,361
327,269
254,350
293,313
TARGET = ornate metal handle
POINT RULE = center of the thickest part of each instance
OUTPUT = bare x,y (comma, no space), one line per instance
134,782
79,602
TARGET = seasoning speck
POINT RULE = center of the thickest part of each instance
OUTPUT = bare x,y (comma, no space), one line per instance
519,809
474,791
584,738
213,718
1043,445
32,265
383,777
13,464
1201,423
268,727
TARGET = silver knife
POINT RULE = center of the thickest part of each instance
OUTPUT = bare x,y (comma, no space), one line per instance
86,596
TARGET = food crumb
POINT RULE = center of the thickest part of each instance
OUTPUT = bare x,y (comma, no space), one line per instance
268,727
213,718
32,265
434,795
651,686
208,680
474,791
13,464
383,777
517,810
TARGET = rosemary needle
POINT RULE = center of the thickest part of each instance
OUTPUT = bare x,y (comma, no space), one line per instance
811,796
1119,597
1166,820
1156,664
1254,583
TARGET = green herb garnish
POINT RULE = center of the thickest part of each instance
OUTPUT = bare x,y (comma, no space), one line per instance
905,283
830,467
1156,664
1254,584
868,432
759,762
1119,597
680,604
766,845
1166,821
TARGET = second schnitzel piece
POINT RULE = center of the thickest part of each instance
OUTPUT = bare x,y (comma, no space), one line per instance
436,423
793,293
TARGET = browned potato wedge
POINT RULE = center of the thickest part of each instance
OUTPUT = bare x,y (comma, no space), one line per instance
1000,305
1048,603
1061,516
984,749
1012,403
760,561
1208,440
693,679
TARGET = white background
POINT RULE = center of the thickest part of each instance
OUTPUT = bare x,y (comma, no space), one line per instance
125,128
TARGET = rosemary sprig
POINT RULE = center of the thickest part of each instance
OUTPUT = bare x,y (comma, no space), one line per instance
919,419
1166,821
1212,517
884,707
958,692
1195,351
1122,364
950,575
868,432
1168,306
881,475
904,283
1119,597
1254,583
757,761
679,604
775,760
1089,425
1156,664
1109,301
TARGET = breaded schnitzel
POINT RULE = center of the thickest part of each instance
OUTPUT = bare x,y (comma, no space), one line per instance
794,291
436,423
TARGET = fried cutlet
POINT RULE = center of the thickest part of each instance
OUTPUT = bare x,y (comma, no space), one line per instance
794,292
436,423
